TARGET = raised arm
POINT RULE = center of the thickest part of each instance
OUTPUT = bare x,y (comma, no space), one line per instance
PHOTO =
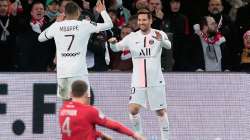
100,8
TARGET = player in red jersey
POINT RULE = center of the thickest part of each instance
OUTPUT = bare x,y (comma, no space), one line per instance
78,119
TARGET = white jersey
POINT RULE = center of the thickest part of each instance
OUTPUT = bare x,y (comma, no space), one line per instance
71,38
146,56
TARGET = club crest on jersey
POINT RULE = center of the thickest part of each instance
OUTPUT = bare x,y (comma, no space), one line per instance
93,23
151,41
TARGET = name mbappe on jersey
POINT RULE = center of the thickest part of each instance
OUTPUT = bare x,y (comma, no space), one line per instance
69,28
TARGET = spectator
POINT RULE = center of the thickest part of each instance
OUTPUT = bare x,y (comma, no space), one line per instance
87,12
209,50
245,56
138,4
33,55
7,38
236,4
242,22
175,21
227,29
155,7
15,8
57,11
123,13
52,10
176,25
97,47
132,23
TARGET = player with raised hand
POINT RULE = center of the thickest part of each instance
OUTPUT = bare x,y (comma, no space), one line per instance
148,84
71,37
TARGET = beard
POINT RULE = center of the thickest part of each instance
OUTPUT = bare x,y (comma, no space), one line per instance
211,33
215,11
144,29
216,14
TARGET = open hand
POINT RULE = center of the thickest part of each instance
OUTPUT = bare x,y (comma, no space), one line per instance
158,36
100,6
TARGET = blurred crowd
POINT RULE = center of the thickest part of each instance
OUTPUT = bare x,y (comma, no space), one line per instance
206,35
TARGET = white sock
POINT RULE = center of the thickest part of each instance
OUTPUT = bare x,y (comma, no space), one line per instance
136,122
164,126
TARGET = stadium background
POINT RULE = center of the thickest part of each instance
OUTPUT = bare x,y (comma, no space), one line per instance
202,106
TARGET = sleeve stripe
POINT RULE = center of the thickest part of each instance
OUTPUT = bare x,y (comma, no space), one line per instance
46,35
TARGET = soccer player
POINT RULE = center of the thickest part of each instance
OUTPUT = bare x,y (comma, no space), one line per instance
78,119
148,84
71,37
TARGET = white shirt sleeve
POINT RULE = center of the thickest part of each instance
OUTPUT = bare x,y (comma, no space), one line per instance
165,41
121,45
47,33
97,27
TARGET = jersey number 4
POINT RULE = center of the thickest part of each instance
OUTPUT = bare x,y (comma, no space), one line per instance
66,127
72,39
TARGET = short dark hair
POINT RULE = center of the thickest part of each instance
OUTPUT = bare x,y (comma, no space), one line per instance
144,11
35,3
71,8
126,26
79,88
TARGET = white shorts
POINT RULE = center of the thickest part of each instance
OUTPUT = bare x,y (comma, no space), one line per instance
64,86
154,96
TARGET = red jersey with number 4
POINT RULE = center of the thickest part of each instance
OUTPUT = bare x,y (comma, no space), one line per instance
77,122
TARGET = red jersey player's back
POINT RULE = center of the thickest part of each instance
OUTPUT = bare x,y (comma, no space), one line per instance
76,121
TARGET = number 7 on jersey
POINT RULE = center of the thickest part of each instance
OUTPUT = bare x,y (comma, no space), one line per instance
72,39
